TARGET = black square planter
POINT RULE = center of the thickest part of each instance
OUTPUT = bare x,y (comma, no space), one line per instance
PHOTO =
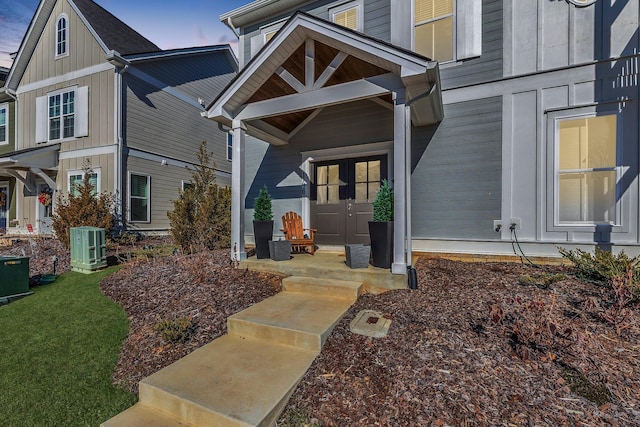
280,250
357,255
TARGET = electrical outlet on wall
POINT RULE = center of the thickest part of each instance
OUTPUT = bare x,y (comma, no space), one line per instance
517,222
497,225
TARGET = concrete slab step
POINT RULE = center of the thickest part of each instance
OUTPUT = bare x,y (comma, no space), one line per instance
232,381
290,318
321,286
142,416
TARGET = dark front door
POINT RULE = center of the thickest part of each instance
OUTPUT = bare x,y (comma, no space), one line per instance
342,196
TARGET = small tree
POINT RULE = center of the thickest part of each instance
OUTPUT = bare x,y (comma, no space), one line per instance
201,218
383,204
262,206
83,207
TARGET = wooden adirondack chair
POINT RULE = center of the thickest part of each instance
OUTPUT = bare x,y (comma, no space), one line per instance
293,231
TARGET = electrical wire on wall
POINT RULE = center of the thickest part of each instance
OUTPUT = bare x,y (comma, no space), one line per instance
514,242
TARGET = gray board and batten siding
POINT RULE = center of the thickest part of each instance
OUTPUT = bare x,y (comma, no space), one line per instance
457,175
377,20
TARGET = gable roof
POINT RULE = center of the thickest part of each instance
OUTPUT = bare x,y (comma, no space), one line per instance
111,33
355,66
115,34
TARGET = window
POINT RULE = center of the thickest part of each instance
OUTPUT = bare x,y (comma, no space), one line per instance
139,206
61,36
229,146
586,172
367,180
4,124
348,15
266,34
74,179
62,114
434,28
328,184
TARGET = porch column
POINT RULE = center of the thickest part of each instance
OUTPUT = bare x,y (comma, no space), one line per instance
237,192
399,265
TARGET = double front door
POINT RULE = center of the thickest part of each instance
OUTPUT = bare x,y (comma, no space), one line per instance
342,197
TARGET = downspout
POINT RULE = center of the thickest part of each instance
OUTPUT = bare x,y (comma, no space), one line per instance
232,27
14,96
119,142
413,281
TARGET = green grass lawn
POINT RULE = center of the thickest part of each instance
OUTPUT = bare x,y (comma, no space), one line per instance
58,349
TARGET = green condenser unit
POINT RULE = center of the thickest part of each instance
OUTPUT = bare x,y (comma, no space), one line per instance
88,249
14,276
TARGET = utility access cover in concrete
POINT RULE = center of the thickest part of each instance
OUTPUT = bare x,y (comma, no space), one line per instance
370,323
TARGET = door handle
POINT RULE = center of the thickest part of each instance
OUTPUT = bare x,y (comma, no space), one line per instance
349,208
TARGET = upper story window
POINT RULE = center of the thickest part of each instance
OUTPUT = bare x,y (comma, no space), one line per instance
4,124
586,169
62,114
348,15
434,22
62,33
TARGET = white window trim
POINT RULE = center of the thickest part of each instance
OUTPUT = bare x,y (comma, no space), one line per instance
75,113
357,4
184,183
6,134
81,172
415,24
553,146
148,198
66,41
271,28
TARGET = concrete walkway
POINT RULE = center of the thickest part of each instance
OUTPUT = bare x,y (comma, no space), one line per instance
245,378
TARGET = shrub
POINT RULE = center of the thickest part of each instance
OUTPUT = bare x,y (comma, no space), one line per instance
602,267
201,216
383,204
175,330
83,208
262,210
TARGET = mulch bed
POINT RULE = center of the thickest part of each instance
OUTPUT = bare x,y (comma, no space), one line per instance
476,345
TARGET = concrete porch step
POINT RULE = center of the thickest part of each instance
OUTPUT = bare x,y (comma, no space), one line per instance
290,318
232,381
324,287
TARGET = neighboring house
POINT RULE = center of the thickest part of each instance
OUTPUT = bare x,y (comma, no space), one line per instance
526,114
7,145
86,89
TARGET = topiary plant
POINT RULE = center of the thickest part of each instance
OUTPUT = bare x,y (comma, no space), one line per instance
262,206
383,204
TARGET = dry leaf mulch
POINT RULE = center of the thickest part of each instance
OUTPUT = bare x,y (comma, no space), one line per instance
476,345
205,288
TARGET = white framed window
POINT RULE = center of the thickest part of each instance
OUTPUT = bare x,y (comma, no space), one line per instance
4,124
230,145
266,33
139,197
586,171
75,178
62,114
349,15
62,35
186,185
434,24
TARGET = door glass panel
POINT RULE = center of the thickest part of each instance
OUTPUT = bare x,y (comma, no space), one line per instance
334,193
361,191
322,175
373,189
334,174
374,170
361,172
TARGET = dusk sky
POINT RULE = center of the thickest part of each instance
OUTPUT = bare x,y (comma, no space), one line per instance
168,24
